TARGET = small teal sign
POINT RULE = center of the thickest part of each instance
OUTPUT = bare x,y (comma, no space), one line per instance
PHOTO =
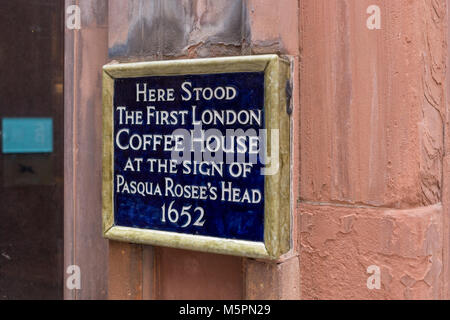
27,135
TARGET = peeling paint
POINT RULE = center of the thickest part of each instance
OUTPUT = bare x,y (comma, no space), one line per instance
405,244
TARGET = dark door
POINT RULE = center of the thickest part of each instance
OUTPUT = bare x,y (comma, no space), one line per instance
31,156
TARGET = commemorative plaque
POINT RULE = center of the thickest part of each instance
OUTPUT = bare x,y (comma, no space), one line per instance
196,154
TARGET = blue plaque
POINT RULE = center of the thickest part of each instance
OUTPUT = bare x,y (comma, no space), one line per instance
27,135
196,154
230,207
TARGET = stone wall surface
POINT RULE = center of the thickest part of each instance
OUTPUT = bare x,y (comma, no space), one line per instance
85,54
373,110
369,137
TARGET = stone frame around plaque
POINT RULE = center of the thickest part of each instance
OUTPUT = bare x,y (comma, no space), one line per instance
277,202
